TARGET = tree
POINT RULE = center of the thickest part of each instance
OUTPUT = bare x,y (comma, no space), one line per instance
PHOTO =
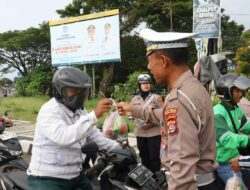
38,82
25,50
155,13
243,55
5,81
126,90
231,34
246,37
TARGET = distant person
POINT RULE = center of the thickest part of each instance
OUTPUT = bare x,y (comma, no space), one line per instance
147,133
63,127
5,91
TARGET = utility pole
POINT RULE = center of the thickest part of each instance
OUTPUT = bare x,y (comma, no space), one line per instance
171,16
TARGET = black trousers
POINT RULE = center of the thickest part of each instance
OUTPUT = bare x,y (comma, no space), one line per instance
149,149
211,186
52,183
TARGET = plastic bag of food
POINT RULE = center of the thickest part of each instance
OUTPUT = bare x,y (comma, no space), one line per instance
115,126
235,183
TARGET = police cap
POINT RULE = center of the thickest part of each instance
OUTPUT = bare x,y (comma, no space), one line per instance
164,40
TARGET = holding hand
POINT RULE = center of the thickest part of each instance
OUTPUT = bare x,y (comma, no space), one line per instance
103,106
124,108
235,164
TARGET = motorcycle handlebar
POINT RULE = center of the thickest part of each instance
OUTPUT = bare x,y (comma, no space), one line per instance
94,168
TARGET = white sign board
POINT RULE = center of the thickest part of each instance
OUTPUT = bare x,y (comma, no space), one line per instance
86,42
206,18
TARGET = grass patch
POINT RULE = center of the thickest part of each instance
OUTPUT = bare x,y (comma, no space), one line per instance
23,108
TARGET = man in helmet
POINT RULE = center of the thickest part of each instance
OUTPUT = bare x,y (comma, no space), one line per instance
232,126
187,115
147,133
62,128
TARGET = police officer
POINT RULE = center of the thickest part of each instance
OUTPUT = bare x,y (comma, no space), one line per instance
62,128
232,126
187,114
147,134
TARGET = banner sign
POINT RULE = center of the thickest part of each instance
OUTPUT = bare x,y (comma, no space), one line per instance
87,39
206,18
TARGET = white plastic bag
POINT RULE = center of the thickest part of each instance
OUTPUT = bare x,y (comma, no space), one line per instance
115,126
235,183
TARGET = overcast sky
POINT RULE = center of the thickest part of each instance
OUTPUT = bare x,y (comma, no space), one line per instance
22,14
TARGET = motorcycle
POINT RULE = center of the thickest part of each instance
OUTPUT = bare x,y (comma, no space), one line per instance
116,169
12,167
119,169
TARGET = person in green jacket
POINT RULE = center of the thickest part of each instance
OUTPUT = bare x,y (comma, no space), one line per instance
232,126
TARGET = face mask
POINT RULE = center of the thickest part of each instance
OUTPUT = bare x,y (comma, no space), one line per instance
74,102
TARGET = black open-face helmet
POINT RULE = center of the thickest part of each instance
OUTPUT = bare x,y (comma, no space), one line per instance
70,77
226,82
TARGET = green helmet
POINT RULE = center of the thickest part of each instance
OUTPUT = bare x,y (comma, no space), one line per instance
226,82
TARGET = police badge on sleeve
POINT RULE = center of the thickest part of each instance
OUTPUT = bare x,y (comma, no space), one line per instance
170,117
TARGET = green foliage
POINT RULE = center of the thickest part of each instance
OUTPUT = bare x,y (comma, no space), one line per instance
156,15
248,95
243,55
216,100
25,50
5,81
133,53
23,108
246,37
128,89
231,34
21,86
27,108
35,83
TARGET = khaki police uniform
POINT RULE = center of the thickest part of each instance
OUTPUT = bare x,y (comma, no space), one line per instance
187,121
147,133
149,115
190,134
148,129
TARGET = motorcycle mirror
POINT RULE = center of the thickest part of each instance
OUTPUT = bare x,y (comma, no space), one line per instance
90,148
